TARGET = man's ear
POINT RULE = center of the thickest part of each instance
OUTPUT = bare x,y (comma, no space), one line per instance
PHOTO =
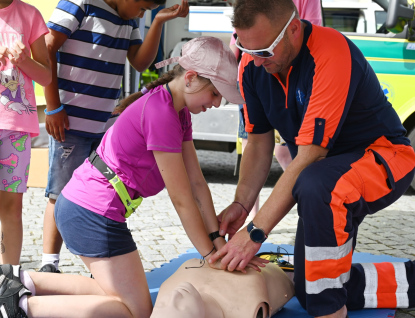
295,28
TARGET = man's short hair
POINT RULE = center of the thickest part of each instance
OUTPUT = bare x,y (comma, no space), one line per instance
246,11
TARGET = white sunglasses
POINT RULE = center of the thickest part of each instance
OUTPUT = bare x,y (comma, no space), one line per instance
266,53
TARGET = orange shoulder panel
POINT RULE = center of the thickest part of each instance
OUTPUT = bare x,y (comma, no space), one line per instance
246,58
331,83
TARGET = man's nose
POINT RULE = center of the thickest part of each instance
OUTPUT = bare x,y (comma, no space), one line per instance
258,61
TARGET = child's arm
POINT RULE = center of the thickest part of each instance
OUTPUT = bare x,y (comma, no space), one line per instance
56,123
3,54
38,68
175,177
141,56
201,192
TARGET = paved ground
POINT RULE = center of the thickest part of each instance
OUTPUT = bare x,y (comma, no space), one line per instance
160,236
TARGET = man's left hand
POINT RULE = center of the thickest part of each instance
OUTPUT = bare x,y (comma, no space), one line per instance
238,253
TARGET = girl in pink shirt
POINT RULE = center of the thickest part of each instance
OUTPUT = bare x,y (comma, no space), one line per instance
148,148
22,35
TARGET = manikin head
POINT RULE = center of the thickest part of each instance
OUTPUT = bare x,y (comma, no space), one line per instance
208,293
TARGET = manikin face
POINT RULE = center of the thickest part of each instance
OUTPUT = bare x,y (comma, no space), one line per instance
261,36
186,302
200,96
131,9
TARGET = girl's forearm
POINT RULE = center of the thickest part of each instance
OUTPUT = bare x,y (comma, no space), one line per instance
38,72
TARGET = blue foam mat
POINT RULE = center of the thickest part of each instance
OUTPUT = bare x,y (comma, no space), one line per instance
292,309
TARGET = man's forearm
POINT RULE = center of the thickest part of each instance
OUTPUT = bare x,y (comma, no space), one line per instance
255,166
281,200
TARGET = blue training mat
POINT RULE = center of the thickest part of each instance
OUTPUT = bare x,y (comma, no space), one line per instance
293,308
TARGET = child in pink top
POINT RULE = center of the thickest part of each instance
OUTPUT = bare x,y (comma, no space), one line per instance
149,147
22,36
129,152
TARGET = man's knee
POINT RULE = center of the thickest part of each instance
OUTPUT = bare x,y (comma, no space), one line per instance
310,184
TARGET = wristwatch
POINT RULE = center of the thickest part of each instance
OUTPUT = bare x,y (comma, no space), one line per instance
256,234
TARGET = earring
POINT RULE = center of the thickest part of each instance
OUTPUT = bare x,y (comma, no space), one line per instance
188,84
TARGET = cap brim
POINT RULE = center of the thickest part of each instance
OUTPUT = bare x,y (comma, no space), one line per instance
229,92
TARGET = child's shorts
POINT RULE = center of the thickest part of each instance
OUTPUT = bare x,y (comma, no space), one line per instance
89,234
14,160
64,158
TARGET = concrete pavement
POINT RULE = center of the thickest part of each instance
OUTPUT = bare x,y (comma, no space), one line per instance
160,236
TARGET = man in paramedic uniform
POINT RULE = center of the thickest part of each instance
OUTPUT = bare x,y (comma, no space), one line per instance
350,158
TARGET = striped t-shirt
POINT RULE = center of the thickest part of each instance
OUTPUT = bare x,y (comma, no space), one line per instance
91,61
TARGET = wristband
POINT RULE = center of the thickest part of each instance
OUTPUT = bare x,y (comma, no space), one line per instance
241,206
214,235
57,110
209,253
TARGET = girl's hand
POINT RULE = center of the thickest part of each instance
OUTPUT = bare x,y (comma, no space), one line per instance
215,265
18,53
3,54
176,11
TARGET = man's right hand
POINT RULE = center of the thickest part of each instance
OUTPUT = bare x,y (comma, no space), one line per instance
56,125
231,220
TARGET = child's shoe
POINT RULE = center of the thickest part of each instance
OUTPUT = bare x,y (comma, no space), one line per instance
10,293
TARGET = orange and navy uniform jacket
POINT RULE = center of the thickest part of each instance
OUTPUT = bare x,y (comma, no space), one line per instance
332,97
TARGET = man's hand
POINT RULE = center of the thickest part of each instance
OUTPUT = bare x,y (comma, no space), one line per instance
56,124
239,253
176,11
231,219
18,53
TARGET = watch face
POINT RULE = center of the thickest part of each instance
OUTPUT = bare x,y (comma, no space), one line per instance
257,235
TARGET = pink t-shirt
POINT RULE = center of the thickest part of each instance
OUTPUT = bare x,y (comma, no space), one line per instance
309,10
17,97
150,123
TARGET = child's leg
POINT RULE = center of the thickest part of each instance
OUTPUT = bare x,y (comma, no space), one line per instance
123,277
14,168
11,227
119,290
52,240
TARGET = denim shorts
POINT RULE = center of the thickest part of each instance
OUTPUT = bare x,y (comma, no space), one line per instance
64,158
14,160
89,234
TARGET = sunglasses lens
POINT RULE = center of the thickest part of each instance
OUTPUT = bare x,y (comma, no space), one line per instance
263,54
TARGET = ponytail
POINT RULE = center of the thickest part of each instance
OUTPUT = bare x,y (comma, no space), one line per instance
164,79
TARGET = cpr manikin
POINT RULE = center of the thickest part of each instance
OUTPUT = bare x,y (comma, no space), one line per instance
204,292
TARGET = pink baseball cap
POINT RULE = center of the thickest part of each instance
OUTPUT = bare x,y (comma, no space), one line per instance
212,59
